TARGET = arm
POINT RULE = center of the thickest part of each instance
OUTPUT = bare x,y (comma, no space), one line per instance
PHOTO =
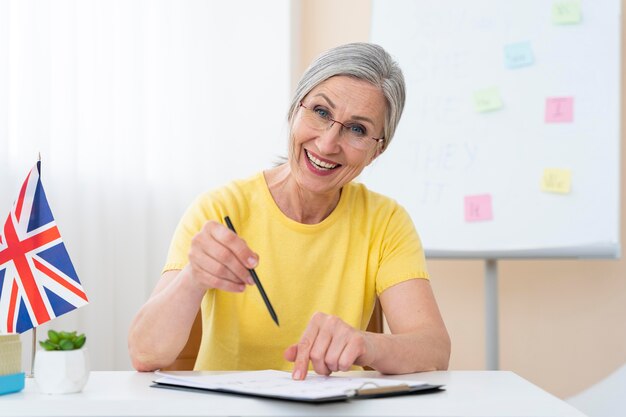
419,339
161,328
218,259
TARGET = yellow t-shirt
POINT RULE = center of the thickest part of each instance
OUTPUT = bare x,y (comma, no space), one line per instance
338,266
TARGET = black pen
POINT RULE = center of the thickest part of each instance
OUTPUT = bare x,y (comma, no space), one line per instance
256,280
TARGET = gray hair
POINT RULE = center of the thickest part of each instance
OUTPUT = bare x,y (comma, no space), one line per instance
364,61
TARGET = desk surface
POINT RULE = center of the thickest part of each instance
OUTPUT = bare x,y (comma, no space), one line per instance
468,393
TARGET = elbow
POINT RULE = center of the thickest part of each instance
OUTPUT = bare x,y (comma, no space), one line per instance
145,356
142,367
443,364
146,363
439,354
140,361
445,350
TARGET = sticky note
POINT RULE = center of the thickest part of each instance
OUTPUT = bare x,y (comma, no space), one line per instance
487,100
559,109
556,180
566,12
478,208
517,55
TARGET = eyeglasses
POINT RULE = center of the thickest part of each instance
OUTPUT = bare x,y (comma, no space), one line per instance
318,118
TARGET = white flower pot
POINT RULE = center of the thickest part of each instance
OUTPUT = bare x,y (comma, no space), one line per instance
61,371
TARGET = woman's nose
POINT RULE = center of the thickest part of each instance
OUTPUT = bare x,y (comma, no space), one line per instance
328,140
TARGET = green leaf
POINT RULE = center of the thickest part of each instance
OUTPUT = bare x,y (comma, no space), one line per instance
80,341
63,340
66,344
53,336
47,345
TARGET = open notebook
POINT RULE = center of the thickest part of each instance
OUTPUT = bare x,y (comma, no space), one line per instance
280,385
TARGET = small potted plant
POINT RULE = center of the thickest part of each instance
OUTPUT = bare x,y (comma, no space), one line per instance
61,367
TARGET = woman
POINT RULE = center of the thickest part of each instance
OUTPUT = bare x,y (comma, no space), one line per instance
323,246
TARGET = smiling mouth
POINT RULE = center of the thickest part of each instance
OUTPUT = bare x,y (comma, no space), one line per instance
321,165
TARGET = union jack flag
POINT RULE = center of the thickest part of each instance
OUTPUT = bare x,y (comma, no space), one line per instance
37,279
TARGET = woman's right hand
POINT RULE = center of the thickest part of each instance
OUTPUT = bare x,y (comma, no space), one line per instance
220,259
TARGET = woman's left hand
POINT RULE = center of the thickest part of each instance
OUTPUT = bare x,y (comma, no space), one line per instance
330,345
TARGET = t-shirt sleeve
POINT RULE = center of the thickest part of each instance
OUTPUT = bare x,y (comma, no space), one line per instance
401,256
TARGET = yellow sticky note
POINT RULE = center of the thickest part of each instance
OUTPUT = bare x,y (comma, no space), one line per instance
556,180
487,100
566,12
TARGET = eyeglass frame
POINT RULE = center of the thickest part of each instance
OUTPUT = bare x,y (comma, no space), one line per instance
333,121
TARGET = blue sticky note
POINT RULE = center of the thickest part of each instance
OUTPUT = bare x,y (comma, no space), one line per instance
518,55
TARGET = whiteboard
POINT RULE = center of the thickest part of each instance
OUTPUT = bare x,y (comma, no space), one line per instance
499,95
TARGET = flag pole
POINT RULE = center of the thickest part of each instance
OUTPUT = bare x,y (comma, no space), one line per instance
32,354
34,334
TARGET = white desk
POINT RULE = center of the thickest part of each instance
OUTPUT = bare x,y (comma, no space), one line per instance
468,393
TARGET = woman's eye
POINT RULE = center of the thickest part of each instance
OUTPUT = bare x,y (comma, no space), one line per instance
357,130
322,113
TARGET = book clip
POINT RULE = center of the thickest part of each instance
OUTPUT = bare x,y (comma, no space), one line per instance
376,389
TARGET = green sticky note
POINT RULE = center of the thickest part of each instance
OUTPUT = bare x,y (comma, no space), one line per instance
566,12
487,100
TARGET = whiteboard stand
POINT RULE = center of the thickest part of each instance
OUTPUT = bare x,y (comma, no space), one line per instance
492,345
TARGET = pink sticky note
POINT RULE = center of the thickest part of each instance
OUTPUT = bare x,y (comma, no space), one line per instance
478,208
559,109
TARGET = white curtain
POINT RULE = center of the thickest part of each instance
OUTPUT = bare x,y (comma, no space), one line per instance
136,107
